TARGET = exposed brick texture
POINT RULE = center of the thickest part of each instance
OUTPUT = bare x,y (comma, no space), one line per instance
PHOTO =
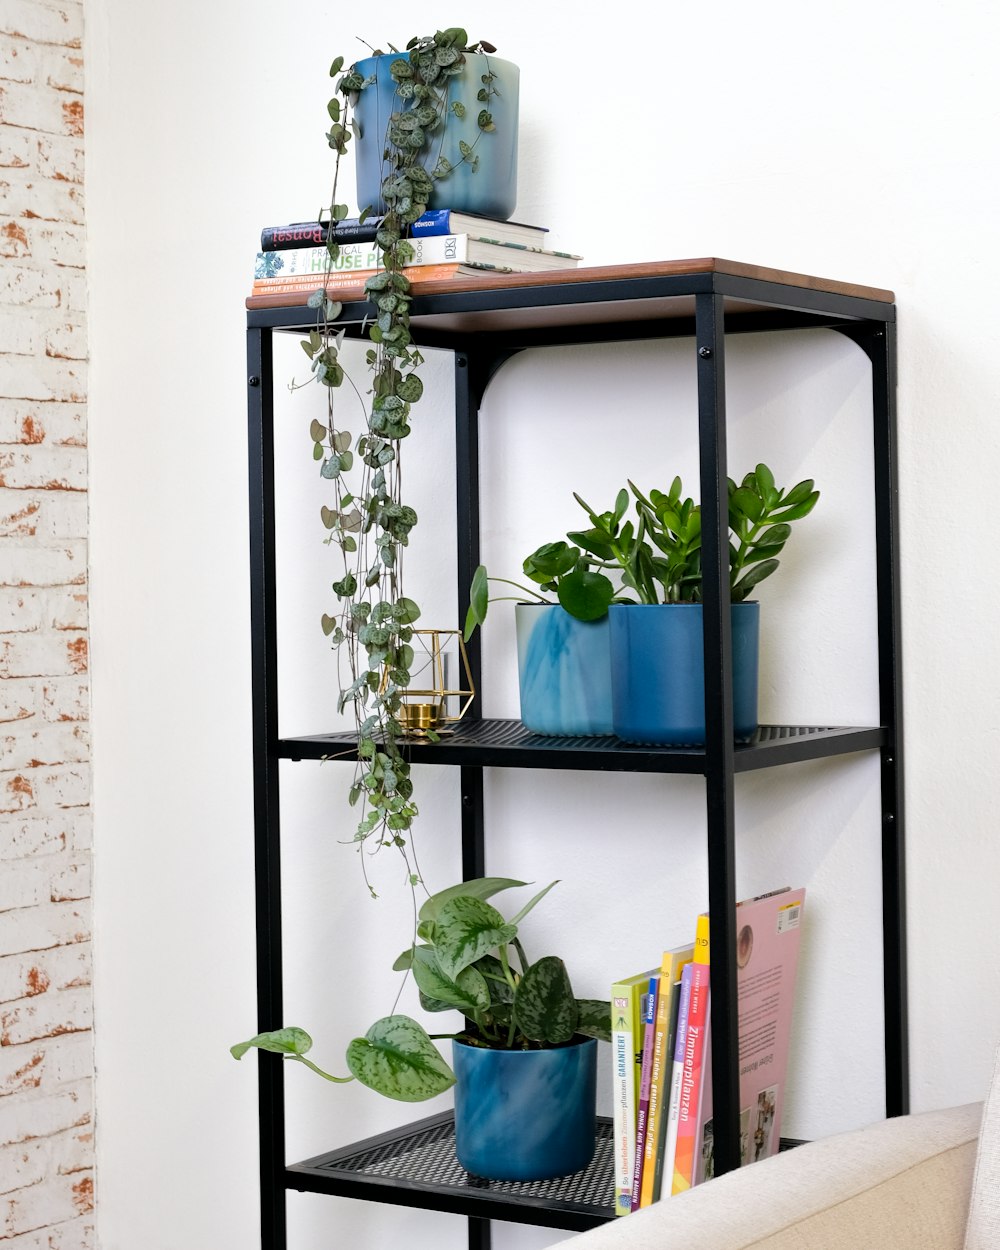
46,1054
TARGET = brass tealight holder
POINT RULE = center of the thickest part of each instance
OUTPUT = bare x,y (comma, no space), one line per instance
424,708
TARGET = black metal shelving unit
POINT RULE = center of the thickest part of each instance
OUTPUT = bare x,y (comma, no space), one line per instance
484,325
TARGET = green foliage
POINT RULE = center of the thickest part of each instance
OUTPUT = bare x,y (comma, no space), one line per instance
659,555
365,523
468,958
557,568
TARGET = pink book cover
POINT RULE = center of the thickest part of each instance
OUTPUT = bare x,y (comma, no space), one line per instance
691,1082
768,929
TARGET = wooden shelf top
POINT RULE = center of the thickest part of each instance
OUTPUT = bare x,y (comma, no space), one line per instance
598,273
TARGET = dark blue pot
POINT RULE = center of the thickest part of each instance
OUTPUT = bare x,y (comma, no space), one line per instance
525,1115
491,189
658,672
564,671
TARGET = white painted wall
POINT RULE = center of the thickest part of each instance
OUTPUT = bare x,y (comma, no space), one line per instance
853,142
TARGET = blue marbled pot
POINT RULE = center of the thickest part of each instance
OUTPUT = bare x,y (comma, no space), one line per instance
564,671
525,1115
490,189
658,672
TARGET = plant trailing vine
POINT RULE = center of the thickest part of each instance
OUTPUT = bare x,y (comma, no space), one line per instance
368,522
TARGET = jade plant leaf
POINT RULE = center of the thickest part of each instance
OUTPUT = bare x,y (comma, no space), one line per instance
465,930
544,1006
397,1058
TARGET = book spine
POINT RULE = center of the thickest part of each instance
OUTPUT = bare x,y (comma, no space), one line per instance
676,1075
441,249
654,1119
666,1083
435,221
314,233
344,282
642,1112
623,1094
694,1051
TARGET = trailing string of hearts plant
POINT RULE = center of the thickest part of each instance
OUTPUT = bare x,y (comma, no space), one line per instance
367,521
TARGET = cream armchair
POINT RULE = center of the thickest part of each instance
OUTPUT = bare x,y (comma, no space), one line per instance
920,1182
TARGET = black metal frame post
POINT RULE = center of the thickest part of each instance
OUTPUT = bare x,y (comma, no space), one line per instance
270,1079
890,664
719,760
467,517
878,341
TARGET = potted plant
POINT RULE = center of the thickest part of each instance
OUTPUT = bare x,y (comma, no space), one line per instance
524,1062
444,76
415,105
563,643
657,643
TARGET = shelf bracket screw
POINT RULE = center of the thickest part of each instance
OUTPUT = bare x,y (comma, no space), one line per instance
704,352
254,381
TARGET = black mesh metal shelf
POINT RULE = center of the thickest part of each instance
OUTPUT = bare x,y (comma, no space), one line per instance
507,744
416,1166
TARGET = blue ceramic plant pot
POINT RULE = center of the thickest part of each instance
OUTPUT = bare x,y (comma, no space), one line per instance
658,672
564,671
490,189
525,1115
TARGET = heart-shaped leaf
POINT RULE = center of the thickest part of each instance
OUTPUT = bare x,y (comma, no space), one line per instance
290,1041
465,930
478,887
544,1006
468,992
594,1018
397,1058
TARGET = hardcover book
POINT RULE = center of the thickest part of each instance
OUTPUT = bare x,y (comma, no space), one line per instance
768,932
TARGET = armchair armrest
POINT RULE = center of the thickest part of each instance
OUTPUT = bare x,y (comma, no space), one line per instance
901,1183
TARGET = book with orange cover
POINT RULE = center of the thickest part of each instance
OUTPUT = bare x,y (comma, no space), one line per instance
671,970
697,975
351,284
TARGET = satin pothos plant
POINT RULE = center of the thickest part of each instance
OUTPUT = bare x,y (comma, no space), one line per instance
466,957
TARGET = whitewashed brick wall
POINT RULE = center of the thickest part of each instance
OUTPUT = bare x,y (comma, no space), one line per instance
46,1054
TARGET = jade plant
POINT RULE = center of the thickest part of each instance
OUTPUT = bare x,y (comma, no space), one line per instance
659,557
466,957
366,520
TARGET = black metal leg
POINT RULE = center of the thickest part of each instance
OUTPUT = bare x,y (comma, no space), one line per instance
878,341
266,810
480,1234
719,764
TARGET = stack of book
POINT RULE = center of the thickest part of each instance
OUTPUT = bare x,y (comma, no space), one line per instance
661,1053
294,259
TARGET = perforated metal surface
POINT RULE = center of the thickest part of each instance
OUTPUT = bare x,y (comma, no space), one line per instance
425,1156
